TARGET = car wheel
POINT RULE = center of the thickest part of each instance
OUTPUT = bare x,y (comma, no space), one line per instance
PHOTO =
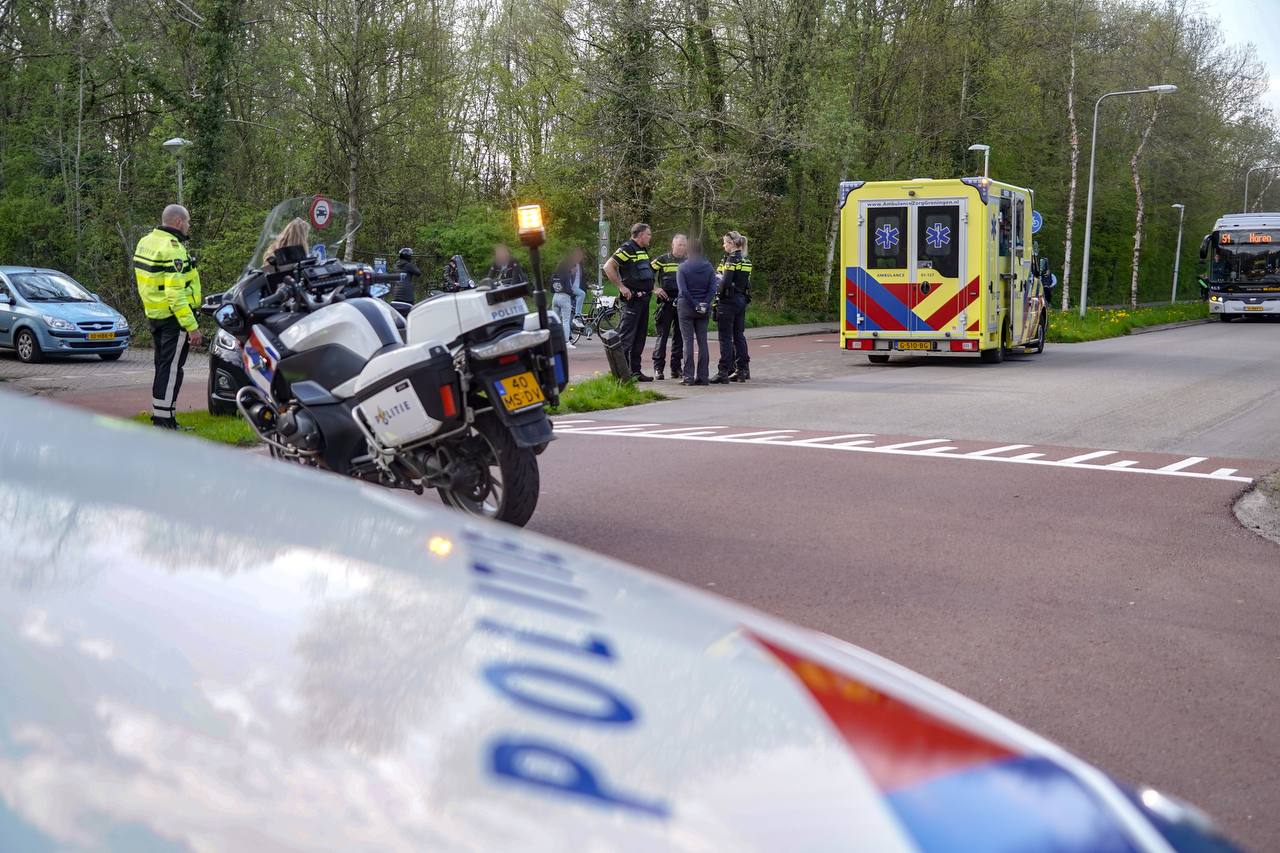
1041,333
110,356
28,347
878,358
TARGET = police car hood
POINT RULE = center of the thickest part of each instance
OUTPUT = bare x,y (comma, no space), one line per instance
204,649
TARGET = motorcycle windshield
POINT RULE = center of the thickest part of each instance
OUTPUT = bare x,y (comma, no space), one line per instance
318,223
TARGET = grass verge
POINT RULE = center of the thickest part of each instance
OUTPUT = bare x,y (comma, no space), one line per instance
225,429
1098,323
600,392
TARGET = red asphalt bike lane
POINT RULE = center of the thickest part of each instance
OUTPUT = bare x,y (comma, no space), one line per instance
1128,617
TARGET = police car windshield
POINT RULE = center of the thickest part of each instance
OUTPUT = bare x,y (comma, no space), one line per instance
321,224
1247,257
49,287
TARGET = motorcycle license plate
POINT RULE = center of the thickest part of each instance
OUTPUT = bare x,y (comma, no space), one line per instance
914,345
101,336
519,391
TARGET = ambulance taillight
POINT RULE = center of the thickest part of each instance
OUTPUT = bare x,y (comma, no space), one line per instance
964,346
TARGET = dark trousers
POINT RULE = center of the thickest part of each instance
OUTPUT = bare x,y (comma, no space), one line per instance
666,326
694,328
171,356
634,329
731,324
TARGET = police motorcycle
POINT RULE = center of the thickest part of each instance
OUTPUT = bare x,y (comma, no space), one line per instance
455,402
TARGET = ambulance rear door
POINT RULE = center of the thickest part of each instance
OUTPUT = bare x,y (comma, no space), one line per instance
876,287
942,295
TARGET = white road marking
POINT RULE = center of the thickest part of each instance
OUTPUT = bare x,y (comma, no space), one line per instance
1083,457
760,432
1185,463
910,448
567,423
905,444
991,451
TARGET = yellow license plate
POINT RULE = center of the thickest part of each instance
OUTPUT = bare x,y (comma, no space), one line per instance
519,391
914,345
1254,307
101,336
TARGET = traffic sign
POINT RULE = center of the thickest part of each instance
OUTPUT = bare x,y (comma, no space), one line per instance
379,265
321,211
1037,221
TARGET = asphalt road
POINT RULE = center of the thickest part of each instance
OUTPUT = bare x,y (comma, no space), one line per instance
1051,536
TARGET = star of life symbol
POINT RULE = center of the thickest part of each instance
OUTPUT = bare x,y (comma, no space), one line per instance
938,235
886,237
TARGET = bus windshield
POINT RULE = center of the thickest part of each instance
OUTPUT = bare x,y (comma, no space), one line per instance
1247,257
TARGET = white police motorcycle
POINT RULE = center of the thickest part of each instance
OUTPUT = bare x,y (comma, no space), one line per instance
453,399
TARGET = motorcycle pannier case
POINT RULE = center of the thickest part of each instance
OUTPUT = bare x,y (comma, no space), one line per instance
410,394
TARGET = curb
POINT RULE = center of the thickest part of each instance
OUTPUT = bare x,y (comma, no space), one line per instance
1258,509
766,333
1142,330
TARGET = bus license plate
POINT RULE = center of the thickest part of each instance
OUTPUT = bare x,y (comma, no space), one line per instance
1254,307
914,345
101,336
519,391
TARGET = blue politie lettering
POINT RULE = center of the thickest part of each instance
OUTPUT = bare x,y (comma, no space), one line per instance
591,645
553,768
515,680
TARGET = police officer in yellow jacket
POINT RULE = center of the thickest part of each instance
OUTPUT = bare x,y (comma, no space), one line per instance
169,286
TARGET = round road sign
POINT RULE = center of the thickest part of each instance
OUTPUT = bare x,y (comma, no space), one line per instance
321,212
1037,222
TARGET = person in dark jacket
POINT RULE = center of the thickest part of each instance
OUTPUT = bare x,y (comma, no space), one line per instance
696,287
403,292
731,310
564,282
666,322
505,269
631,269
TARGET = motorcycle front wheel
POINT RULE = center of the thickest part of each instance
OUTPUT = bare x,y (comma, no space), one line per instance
503,483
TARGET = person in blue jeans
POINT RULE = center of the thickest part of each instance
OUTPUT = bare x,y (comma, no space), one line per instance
696,289
566,285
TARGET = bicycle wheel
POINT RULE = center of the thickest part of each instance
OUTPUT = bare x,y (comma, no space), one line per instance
609,320
575,331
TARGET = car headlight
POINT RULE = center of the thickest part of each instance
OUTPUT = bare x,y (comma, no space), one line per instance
122,325
225,340
58,323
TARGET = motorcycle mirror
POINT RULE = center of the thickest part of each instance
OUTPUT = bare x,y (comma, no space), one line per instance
229,319
1044,266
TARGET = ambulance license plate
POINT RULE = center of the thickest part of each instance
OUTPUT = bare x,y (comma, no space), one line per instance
1254,307
519,391
915,345
100,336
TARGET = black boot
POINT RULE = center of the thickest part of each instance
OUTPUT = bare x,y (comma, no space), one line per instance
676,373
657,374
720,379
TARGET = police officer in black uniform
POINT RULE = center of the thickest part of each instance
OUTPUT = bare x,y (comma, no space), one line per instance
410,273
731,311
505,269
631,269
666,323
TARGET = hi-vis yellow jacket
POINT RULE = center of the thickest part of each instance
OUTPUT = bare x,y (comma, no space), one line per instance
168,280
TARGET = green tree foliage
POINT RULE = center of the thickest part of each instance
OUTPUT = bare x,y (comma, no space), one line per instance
435,116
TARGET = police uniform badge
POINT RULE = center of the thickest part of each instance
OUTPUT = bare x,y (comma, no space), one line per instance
179,265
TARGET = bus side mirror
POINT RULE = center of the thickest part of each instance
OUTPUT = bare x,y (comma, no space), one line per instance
1204,246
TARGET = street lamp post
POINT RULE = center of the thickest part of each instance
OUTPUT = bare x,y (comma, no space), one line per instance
986,156
1245,209
1177,253
174,146
1160,89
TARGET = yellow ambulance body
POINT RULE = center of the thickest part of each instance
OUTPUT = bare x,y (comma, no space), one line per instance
939,267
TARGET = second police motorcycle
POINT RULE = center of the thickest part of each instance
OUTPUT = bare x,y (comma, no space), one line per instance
453,397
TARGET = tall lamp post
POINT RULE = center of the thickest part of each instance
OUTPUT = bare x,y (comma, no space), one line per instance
174,146
1245,209
1162,88
1177,253
986,156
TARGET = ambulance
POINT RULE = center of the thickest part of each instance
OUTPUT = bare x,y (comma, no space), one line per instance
940,267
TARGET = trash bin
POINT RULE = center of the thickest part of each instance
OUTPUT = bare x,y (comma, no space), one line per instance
619,364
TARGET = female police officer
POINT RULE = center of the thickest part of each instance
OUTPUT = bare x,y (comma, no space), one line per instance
731,311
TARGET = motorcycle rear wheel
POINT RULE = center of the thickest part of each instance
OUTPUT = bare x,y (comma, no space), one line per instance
508,485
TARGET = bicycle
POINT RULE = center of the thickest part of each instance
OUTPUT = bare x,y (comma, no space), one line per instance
602,314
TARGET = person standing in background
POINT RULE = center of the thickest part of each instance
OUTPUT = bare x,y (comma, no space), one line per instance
631,269
696,290
505,269
562,295
169,287
731,313
666,321
410,273
573,271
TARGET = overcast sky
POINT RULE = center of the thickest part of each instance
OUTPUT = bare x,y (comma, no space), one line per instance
1256,21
